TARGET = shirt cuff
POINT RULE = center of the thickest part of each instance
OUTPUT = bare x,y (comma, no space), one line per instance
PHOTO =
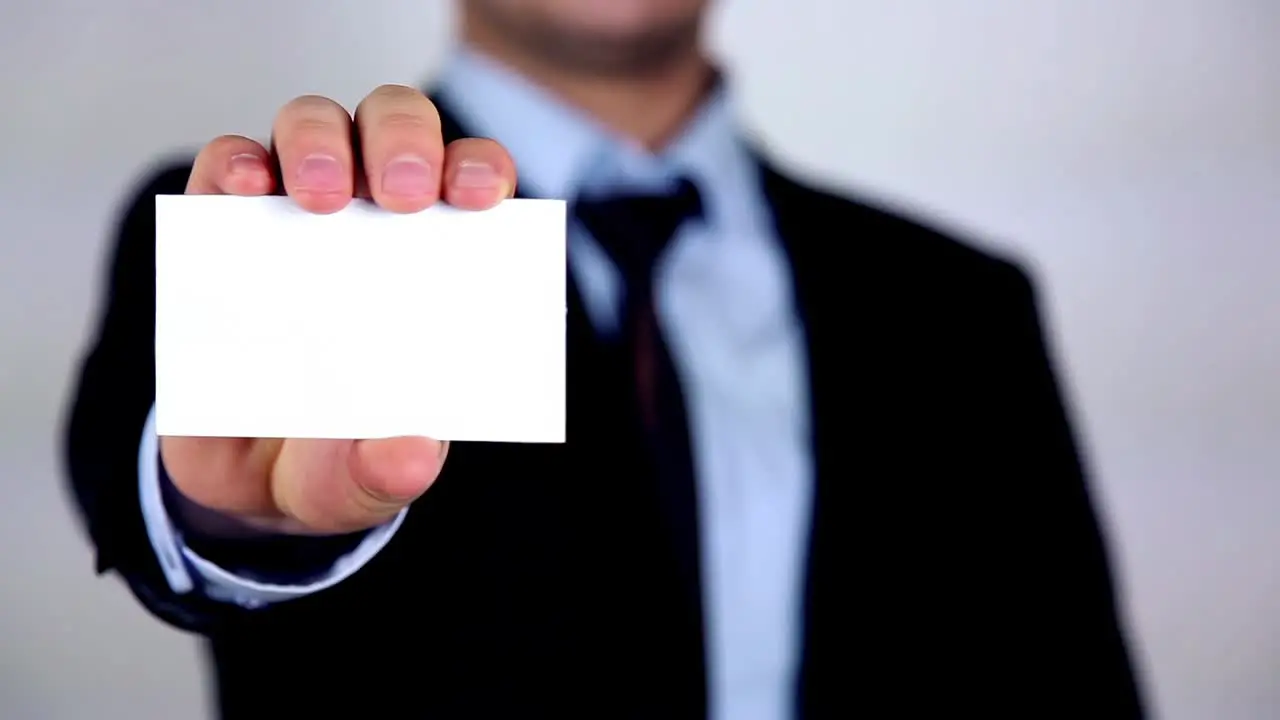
184,569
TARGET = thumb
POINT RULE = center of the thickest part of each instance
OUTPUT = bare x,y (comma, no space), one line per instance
338,486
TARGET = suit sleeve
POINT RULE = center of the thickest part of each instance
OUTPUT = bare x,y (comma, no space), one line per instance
1075,636
111,401
191,581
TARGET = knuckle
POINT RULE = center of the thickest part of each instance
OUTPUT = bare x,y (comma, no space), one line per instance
311,125
401,121
371,500
399,104
226,143
312,104
313,131
395,94
311,113
471,146
222,147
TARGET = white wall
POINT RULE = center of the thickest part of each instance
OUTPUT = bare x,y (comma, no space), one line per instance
1132,147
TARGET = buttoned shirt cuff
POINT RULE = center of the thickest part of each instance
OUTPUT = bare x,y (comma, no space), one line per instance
186,571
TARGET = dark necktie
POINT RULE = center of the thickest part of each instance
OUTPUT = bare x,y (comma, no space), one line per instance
635,231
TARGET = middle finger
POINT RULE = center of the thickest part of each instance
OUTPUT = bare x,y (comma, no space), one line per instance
400,147
312,138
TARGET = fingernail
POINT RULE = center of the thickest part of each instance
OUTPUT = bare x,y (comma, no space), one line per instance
408,176
247,164
472,174
321,173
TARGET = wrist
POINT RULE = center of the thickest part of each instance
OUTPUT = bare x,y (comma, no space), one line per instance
271,548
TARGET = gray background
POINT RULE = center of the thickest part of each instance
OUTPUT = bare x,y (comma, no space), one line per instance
1131,147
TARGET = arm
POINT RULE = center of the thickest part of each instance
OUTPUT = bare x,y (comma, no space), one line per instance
225,560
133,515
1074,632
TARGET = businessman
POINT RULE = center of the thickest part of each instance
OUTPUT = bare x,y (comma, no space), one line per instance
818,464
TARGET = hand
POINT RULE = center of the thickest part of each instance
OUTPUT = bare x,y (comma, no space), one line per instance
392,153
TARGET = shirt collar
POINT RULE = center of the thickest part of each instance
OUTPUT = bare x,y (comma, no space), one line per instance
561,152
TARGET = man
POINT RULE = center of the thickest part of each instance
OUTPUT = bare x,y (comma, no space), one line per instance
817,464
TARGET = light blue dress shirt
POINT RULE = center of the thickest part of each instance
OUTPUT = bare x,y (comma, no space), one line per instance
724,295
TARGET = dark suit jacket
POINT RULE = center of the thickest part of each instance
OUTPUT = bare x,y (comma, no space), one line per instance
955,561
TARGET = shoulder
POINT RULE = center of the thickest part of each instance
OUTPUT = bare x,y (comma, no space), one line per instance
830,228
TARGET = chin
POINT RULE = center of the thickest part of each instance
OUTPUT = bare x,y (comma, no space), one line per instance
622,19
604,37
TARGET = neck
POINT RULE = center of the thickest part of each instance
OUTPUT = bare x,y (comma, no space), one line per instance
650,109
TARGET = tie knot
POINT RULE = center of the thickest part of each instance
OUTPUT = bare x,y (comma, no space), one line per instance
635,229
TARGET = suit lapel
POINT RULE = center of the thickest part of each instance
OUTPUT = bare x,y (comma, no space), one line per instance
624,525
829,322
828,326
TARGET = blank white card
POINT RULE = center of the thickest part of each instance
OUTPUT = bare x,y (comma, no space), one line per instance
274,322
